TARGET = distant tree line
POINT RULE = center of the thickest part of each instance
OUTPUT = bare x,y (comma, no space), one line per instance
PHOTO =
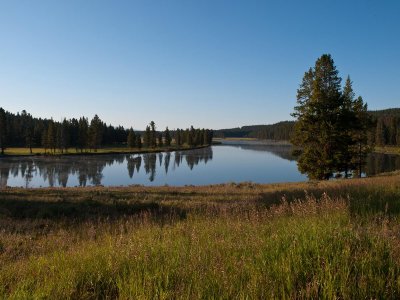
191,137
277,131
24,130
385,129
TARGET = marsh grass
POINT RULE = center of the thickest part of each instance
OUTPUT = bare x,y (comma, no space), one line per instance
305,240
21,151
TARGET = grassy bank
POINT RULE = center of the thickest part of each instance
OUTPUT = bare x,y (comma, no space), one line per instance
388,149
377,149
106,150
334,239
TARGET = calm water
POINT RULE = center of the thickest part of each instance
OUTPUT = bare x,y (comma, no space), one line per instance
236,162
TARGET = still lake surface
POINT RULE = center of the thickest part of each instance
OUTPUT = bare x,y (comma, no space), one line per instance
230,162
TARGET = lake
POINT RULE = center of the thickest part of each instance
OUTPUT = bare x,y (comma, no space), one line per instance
229,162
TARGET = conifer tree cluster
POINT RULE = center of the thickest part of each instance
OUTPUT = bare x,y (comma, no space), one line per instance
386,131
23,130
191,137
332,124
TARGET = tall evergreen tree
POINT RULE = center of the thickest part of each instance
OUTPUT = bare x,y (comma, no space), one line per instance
326,121
64,135
3,130
147,137
131,142
95,133
153,135
51,137
44,143
392,132
362,124
83,131
138,141
167,137
27,128
398,135
178,137
380,136
160,140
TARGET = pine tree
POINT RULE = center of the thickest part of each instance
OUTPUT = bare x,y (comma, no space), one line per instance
138,141
392,131
153,135
205,137
160,140
147,137
62,136
178,137
27,128
167,137
95,133
327,122
209,134
45,144
58,137
3,130
380,136
51,137
398,135
83,131
131,141
362,125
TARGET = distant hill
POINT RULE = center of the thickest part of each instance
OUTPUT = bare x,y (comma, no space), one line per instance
390,112
278,131
283,130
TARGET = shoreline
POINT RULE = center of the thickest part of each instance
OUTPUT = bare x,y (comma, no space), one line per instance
225,186
377,149
111,152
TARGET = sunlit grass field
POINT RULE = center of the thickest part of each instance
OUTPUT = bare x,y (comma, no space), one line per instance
388,149
336,239
105,150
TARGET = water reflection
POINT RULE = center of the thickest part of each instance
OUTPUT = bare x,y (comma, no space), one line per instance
282,151
380,163
218,164
89,170
132,164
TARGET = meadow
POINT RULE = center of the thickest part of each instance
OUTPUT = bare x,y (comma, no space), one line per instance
318,239
23,151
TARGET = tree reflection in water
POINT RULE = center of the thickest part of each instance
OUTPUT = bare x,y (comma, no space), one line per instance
88,170
132,164
380,163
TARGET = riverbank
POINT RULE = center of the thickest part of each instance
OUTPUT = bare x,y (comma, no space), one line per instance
387,149
252,141
301,240
13,152
377,149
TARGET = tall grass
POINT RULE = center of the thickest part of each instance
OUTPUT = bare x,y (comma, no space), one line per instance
308,240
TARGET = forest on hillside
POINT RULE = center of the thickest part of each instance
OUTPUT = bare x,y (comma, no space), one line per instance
385,129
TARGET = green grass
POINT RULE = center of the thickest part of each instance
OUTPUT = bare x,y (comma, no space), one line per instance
304,240
387,149
14,151
236,139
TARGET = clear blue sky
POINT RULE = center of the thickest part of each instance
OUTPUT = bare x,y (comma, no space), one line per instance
214,64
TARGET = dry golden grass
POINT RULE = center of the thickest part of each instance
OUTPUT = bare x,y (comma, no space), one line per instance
15,151
336,239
